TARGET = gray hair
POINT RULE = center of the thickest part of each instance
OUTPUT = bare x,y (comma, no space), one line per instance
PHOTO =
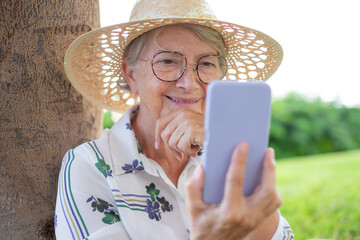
136,48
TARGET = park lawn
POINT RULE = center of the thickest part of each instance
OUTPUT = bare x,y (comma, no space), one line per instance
321,195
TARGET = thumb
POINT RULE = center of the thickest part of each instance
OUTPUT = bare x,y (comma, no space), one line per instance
194,188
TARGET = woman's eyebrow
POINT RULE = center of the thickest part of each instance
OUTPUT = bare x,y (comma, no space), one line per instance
206,54
196,56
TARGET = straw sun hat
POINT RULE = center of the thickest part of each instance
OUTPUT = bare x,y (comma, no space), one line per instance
93,61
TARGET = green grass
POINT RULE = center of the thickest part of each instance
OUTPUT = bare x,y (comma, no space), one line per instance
321,195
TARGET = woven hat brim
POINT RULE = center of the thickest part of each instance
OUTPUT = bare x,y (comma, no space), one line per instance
93,61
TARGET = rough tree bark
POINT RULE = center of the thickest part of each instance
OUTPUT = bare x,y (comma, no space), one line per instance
41,115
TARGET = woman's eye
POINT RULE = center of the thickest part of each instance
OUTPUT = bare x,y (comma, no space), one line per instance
207,64
167,61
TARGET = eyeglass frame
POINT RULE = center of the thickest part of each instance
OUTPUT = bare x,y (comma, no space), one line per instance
186,64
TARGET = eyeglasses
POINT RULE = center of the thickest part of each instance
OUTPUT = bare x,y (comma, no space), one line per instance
170,66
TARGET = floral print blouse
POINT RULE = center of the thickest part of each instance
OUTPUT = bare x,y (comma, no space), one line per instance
108,189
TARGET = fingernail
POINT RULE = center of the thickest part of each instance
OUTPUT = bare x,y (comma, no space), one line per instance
156,144
272,154
243,147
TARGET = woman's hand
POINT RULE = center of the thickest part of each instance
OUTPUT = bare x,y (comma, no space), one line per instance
237,216
181,131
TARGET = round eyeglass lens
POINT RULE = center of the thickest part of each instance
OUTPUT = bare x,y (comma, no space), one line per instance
168,66
211,68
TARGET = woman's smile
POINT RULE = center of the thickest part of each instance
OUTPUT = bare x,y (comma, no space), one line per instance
184,101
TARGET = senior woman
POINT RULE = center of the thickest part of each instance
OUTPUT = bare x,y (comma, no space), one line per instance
143,178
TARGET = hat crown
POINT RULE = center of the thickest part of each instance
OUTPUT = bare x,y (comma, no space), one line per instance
155,9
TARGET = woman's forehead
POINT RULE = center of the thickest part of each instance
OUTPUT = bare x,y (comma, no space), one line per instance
179,39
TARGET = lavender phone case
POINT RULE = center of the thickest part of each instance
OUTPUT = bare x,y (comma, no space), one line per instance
235,112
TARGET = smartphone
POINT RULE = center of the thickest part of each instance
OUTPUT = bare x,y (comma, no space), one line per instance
235,112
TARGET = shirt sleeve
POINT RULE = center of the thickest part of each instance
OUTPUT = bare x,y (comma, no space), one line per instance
283,230
85,206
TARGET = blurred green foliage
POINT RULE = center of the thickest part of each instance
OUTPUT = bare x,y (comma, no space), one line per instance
107,121
303,127
300,126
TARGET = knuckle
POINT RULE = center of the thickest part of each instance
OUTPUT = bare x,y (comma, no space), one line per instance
181,147
163,134
273,197
233,220
172,142
269,191
269,197
248,222
235,179
230,219
277,199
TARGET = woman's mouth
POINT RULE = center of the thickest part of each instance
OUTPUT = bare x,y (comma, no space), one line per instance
184,100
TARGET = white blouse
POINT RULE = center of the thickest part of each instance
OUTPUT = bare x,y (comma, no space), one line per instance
108,189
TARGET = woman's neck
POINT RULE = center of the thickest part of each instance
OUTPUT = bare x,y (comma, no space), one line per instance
144,128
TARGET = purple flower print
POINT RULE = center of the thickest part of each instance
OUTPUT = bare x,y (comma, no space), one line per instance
134,167
128,126
153,209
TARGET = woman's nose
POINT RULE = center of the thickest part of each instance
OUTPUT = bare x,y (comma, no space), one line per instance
190,79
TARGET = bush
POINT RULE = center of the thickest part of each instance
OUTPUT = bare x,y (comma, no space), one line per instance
107,121
303,127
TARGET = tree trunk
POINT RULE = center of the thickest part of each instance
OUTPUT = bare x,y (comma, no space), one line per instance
41,115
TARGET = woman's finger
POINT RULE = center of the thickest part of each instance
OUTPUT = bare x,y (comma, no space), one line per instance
160,125
194,188
268,179
266,196
185,145
176,136
181,130
235,176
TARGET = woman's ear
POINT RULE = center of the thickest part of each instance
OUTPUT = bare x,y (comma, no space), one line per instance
128,74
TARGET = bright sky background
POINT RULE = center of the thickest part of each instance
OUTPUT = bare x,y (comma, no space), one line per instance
320,39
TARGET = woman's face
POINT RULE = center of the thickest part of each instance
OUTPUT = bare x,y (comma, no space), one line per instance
158,98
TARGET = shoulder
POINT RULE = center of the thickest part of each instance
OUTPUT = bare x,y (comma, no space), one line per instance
85,204
88,151
106,155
